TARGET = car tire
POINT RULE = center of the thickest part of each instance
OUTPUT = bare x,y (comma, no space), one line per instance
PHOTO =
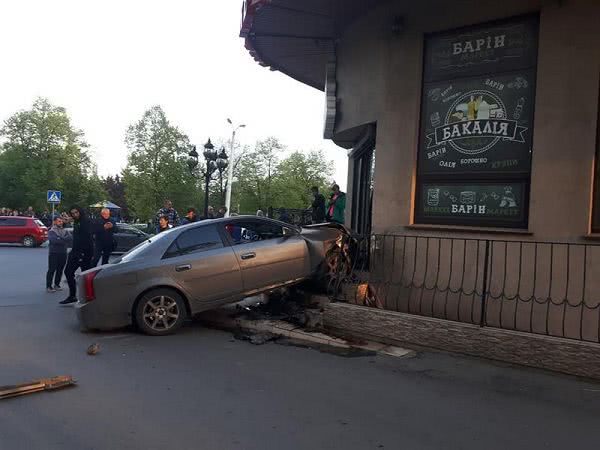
160,312
29,241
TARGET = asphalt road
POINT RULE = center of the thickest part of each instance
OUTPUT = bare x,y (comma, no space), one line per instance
202,390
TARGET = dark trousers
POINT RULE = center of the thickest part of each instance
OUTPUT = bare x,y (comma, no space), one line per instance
76,260
56,265
103,253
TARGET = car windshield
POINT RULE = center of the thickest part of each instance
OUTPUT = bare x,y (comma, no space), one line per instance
39,223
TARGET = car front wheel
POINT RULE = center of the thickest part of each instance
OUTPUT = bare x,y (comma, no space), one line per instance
160,312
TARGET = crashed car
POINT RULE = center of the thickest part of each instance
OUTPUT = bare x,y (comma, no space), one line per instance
196,267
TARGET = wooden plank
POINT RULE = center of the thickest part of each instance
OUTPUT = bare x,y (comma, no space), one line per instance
45,384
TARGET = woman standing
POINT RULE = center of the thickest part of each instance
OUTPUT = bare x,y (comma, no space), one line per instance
163,224
336,206
59,239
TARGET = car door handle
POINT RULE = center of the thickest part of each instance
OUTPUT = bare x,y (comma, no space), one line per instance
250,255
183,268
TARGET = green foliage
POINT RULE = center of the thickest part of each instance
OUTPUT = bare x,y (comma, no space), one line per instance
115,190
255,175
296,174
157,166
41,150
263,179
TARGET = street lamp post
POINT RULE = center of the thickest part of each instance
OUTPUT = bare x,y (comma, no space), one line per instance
214,161
230,172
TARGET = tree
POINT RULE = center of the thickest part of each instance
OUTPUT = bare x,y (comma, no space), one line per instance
255,176
157,166
295,176
263,179
41,151
115,190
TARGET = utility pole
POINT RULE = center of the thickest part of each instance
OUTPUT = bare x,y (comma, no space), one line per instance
231,164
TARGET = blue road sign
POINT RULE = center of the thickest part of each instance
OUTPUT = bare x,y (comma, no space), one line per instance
54,196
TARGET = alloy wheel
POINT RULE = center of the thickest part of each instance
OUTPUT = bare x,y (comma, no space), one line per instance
28,241
161,313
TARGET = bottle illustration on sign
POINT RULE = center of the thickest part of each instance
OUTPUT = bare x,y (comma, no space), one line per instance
508,198
483,111
472,108
433,197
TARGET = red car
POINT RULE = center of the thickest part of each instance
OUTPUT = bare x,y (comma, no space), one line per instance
22,230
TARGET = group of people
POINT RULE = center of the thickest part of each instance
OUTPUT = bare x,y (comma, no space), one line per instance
167,217
331,211
90,241
45,217
16,212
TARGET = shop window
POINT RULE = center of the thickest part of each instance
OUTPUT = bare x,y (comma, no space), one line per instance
474,159
363,167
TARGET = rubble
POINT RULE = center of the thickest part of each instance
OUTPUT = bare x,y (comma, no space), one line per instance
93,349
290,317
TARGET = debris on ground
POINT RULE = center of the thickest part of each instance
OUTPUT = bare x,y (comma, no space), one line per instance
44,384
289,305
292,317
93,349
366,296
255,338
347,352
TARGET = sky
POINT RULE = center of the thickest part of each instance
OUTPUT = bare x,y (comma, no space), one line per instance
108,61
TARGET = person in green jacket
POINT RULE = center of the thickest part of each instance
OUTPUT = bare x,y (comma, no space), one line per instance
336,205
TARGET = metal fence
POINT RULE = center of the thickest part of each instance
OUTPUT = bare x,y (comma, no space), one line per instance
547,288
290,215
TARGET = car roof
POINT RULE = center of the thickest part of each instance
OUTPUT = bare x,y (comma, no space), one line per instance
225,220
17,217
244,218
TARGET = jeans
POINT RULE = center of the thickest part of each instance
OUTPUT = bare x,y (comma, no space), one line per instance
56,265
77,259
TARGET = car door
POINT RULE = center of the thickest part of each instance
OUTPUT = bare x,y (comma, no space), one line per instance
5,231
15,229
268,252
204,266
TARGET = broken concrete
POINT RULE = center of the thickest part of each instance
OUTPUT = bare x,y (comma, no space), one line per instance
287,321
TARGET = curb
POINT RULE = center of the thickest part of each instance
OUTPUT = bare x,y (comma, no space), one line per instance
220,319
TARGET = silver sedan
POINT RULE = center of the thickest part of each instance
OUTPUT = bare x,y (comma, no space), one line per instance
196,267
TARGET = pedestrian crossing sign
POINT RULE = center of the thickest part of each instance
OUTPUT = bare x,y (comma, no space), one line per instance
54,196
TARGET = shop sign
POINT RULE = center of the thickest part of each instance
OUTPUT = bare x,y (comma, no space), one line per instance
478,125
482,49
502,203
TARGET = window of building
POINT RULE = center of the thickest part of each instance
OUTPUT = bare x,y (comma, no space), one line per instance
363,180
474,159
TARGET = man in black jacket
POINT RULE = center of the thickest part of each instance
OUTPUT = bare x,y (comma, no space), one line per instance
104,237
318,206
81,253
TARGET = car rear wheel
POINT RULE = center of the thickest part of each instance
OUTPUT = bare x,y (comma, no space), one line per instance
160,312
29,241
